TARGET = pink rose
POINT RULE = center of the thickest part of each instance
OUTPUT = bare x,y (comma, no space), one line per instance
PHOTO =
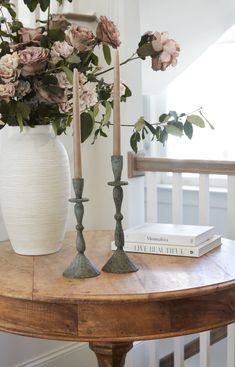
9,71
48,97
31,35
33,60
59,50
166,51
108,33
80,38
7,91
58,21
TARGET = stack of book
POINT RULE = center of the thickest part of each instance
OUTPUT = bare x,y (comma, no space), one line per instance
171,239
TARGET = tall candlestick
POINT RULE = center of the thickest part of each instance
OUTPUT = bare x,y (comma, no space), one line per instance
116,108
76,127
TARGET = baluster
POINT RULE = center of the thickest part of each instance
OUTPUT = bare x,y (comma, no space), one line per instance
204,349
231,345
151,196
231,207
204,206
179,351
153,354
177,198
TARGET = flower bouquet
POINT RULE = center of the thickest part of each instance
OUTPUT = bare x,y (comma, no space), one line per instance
36,72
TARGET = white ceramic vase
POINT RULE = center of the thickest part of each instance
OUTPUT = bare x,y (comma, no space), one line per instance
34,189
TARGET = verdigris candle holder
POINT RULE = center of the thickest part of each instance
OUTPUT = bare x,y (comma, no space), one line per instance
119,261
81,267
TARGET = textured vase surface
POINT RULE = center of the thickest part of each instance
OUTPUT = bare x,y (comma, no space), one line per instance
34,189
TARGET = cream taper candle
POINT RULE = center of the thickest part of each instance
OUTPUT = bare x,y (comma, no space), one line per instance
76,126
116,107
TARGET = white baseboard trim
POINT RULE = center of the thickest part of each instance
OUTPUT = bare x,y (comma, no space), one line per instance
54,355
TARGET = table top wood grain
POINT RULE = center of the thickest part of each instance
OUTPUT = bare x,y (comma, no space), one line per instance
168,296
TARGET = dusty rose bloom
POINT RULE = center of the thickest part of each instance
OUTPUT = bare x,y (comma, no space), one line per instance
59,50
63,80
166,51
7,91
33,60
51,98
8,67
33,35
158,40
88,98
87,94
80,38
108,33
58,21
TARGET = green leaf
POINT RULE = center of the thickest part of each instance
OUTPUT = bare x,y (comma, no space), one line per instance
31,4
22,113
49,79
68,73
10,9
20,120
134,139
139,124
208,122
107,115
45,42
144,39
107,54
188,129
23,109
73,59
145,50
94,59
103,134
150,127
173,114
55,127
163,117
173,130
196,120
87,125
56,34
44,4
163,136
96,110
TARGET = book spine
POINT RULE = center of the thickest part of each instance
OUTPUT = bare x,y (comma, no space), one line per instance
159,249
160,239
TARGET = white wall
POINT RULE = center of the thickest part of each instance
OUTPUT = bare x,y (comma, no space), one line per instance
194,24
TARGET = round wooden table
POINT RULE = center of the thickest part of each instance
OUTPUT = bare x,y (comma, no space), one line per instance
168,296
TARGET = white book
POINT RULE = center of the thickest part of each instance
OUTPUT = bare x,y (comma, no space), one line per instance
173,250
167,233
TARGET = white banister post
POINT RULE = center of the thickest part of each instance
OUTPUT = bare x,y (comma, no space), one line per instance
151,196
177,199
135,202
231,345
179,351
204,349
204,207
231,207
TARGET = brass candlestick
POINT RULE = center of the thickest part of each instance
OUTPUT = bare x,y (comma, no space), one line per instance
119,261
81,267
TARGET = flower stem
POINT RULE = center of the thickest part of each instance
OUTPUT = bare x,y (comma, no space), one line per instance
48,15
133,57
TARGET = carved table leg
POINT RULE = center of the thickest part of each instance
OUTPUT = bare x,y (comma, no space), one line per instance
111,354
